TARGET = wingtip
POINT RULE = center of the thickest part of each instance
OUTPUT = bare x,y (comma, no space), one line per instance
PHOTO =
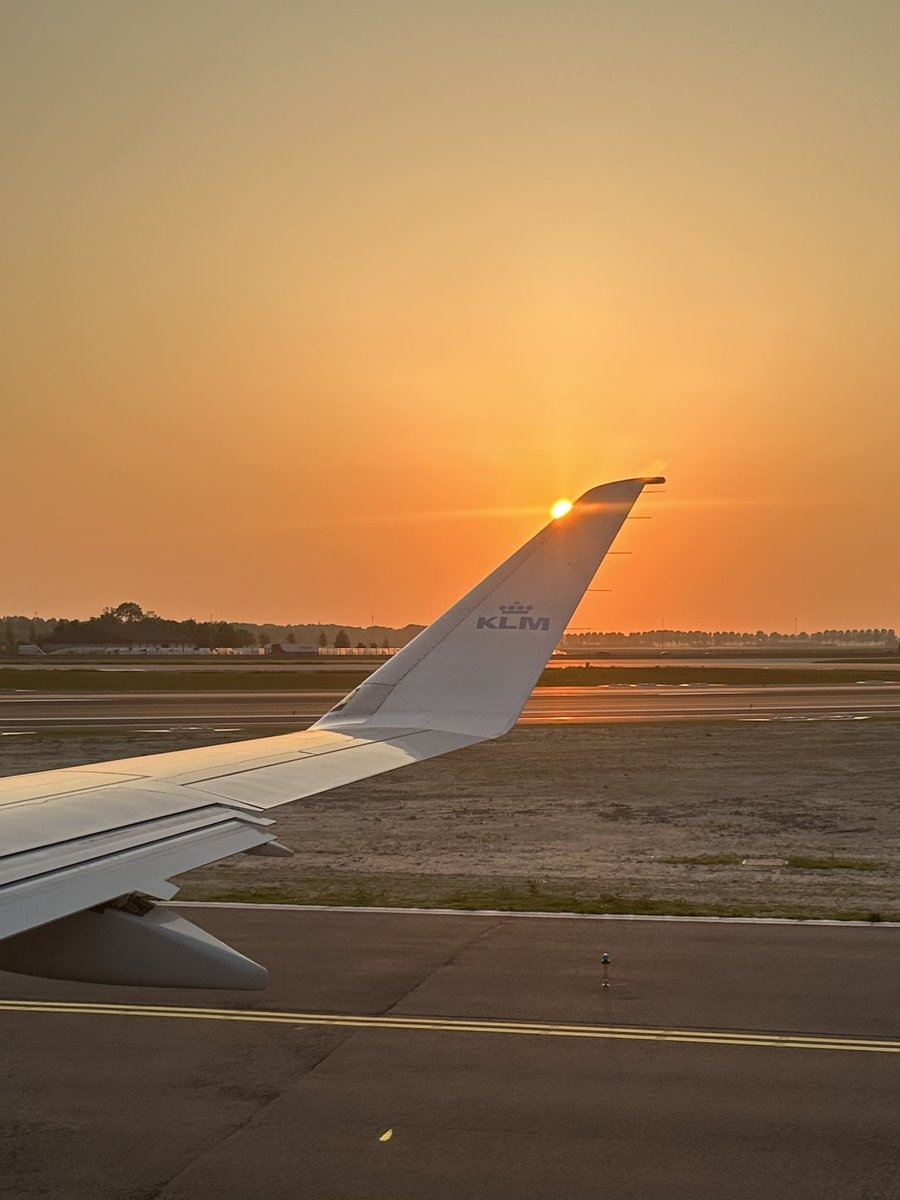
640,481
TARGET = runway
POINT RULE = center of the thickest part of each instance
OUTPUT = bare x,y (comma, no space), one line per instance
236,712
398,1056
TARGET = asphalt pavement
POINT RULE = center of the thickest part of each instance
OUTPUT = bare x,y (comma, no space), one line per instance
397,1056
24,713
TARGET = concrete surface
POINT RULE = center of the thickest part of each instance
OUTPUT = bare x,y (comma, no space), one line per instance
234,712
138,1105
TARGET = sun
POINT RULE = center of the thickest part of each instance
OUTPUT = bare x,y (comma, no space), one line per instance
560,508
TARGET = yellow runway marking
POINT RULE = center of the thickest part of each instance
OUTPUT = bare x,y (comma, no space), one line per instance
633,1033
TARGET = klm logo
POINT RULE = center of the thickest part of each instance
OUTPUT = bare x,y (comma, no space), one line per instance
514,616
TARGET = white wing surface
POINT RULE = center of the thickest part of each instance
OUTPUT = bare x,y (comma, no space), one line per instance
82,849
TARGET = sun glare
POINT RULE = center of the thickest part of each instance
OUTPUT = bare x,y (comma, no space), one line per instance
560,508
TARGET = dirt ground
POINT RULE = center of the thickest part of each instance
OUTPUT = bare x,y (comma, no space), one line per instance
585,817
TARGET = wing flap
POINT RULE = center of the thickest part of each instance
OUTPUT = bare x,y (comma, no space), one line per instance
40,885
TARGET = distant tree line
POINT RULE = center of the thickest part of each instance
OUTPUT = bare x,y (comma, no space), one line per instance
17,629
128,625
321,636
702,638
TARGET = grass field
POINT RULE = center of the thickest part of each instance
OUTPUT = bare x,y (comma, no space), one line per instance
521,895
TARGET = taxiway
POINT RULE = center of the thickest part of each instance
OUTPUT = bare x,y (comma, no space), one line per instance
398,1056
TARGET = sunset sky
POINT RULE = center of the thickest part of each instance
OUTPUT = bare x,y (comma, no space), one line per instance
311,310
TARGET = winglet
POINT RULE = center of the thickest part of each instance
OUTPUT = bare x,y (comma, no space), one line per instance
471,671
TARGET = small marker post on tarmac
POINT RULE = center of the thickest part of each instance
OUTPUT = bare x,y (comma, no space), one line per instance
604,962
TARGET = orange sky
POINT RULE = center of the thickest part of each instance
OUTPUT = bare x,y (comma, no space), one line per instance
295,296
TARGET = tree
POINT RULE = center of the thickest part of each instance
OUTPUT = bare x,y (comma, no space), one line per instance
341,641
323,639
9,635
292,638
262,637
128,611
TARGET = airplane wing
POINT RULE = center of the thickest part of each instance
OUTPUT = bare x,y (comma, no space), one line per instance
82,850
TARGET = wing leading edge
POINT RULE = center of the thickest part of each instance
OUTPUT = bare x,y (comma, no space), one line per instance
81,848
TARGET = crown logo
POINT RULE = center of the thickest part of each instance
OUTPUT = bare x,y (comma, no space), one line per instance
514,616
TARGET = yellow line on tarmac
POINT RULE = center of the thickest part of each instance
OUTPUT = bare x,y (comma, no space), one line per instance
709,1037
